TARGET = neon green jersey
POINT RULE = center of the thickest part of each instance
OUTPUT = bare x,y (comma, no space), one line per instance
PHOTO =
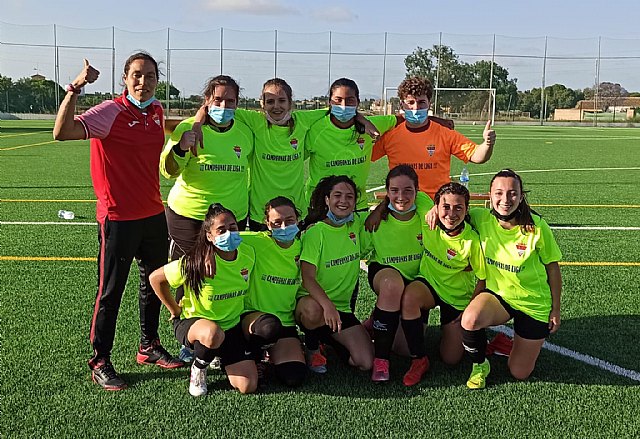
218,174
397,244
451,264
221,298
516,262
335,151
275,278
335,252
277,168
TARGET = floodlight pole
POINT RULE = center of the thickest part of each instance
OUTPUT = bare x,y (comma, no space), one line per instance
435,102
221,49
275,55
113,62
544,72
168,89
384,71
330,38
56,72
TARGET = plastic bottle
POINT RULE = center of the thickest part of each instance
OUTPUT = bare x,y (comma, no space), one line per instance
66,214
464,177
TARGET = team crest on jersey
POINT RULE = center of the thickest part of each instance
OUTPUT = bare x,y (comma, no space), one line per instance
360,143
352,236
245,274
451,253
419,238
431,149
294,143
156,119
521,249
237,150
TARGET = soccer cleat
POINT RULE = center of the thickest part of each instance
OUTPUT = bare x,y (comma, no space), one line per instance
156,354
478,377
316,361
198,381
106,377
419,366
380,370
500,345
216,364
186,355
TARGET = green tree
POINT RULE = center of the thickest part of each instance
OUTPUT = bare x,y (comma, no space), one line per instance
556,96
5,86
161,91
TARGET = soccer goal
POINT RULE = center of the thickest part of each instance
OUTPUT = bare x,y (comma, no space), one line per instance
461,104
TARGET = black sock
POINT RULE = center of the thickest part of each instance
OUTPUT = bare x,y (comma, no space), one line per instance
291,373
475,343
385,325
313,337
414,333
204,355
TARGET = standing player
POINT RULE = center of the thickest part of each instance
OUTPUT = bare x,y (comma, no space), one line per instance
451,271
126,140
218,173
330,264
396,250
337,144
523,280
208,316
425,146
268,321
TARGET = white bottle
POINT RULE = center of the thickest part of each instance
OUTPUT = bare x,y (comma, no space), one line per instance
464,177
66,214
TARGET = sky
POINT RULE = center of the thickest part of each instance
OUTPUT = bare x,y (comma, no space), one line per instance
357,27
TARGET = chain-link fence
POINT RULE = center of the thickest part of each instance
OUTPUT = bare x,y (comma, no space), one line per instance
309,62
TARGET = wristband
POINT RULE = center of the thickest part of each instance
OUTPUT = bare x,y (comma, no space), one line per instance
178,151
72,88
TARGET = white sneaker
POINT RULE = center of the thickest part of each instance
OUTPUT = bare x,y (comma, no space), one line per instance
198,381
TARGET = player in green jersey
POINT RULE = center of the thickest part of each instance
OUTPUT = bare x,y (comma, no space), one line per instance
452,269
396,250
207,319
523,280
330,264
268,322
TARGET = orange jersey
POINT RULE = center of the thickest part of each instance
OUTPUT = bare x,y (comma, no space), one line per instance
427,150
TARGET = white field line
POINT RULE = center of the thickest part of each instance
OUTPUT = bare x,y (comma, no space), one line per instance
583,358
587,359
75,223
636,168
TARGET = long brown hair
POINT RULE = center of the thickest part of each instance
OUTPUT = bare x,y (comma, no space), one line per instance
523,212
193,262
349,83
318,208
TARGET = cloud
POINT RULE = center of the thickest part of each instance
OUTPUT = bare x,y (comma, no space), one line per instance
252,7
334,13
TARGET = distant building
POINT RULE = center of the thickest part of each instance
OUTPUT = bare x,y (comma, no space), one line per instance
626,106
38,77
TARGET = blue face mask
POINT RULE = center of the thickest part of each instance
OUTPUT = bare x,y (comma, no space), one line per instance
285,234
228,241
416,117
393,209
343,114
339,221
221,115
137,103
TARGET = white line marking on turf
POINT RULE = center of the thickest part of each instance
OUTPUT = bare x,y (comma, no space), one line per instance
528,171
588,359
45,223
593,228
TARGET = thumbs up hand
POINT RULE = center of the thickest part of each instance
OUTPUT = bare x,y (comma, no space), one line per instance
88,75
489,135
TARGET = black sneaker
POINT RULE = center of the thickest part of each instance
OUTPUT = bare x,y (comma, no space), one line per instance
156,354
106,377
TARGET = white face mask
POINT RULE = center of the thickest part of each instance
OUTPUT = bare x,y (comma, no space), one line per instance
284,121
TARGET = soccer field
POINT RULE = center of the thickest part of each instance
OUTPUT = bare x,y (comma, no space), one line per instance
584,181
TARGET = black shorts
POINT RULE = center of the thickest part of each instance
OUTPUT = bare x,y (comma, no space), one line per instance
375,267
523,325
348,320
233,349
447,312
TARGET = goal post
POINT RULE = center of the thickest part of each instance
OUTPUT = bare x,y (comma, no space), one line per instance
463,104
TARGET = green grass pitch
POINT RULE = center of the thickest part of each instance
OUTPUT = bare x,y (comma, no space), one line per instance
576,177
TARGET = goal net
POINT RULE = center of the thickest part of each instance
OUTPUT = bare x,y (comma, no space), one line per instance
461,104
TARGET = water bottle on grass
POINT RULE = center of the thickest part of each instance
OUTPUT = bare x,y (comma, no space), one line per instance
464,177
66,214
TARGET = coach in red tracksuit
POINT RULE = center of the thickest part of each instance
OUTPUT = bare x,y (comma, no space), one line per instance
127,136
